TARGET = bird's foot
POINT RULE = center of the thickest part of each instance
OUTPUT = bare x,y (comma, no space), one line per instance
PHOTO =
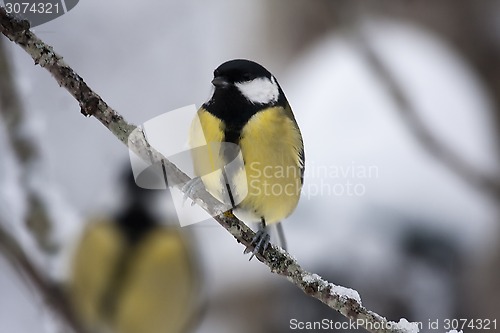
260,242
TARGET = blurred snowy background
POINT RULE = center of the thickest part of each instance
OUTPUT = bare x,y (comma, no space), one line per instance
379,213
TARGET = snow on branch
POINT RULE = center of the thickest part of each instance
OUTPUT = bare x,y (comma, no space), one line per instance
344,300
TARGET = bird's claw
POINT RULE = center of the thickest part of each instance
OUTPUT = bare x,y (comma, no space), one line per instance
260,242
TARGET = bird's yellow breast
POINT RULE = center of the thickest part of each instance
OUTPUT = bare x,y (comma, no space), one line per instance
270,144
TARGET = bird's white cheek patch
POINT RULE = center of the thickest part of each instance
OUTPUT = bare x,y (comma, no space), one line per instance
260,90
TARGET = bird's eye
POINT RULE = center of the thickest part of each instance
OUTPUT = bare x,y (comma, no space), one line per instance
247,76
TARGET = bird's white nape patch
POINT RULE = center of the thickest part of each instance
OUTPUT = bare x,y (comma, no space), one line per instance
261,90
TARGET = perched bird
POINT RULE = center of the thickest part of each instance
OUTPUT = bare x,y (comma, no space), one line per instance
248,118
132,275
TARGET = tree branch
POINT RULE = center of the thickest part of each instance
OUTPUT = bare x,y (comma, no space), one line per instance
343,300
471,175
26,149
52,296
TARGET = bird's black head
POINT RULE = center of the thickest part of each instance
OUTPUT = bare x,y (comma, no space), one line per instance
242,88
238,71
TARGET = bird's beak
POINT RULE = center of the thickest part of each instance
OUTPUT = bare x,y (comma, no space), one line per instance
221,82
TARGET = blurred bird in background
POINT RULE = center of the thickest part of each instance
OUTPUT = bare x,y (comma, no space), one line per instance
131,273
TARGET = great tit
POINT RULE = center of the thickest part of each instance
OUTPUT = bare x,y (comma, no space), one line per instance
131,274
248,115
